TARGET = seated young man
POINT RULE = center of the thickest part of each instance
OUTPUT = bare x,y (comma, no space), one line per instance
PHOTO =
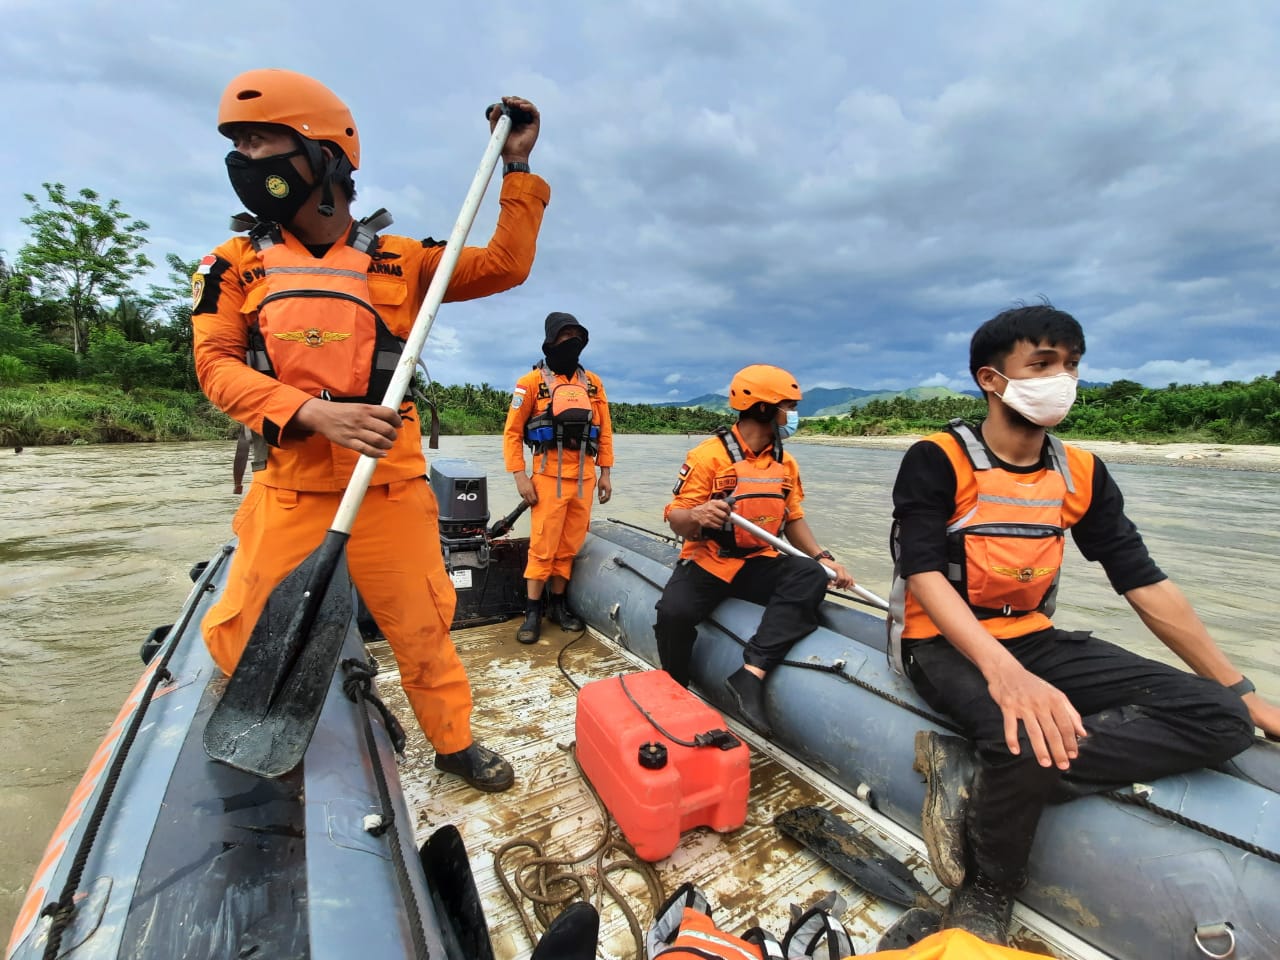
744,470
980,519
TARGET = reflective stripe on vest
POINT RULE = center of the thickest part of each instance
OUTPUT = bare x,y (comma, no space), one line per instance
698,937
316,327
757,488
564,426
1004,555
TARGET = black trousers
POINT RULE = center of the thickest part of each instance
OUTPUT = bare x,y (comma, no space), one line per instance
1145,720
790,588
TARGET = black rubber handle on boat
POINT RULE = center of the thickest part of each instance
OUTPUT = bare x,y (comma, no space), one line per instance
503,526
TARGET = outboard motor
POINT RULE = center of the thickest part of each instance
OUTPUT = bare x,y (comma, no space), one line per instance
487,572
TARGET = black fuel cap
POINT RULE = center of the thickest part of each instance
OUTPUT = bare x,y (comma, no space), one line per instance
653,756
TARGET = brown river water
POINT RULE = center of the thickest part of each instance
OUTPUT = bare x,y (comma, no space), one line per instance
96,541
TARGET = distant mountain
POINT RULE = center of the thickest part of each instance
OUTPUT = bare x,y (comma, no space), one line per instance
836,401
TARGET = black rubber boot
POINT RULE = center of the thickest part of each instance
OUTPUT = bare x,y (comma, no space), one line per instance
748,693
558,612
946,763
982,907
480,767
531,629
909,929
571,936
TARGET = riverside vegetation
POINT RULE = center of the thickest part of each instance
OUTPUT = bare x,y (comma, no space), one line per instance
86,357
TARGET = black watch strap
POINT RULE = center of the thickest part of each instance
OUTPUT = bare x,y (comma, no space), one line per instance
1242,686
824,555
515,166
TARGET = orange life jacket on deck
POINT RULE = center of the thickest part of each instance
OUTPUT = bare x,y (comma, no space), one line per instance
758,488
1004,542
317,329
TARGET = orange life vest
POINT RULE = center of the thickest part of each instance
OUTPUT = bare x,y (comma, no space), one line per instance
566,422
1004,542
682,927
757,488
317,329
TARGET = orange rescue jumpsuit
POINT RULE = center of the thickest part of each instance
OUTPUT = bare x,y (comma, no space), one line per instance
393,553
558,523
707,469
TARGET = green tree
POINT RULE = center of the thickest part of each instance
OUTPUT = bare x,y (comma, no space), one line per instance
80,252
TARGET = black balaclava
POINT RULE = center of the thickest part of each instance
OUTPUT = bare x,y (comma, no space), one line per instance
562,358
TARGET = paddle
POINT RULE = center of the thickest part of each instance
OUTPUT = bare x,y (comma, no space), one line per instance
779,544
269,710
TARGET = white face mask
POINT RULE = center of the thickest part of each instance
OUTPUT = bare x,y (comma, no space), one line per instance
1044,401
792,424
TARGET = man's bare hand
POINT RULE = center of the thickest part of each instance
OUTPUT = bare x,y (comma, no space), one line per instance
1264,715
843,578
362,427
712,513
524,487
1053,725
523,136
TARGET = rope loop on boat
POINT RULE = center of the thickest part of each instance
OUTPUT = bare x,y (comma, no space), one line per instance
548,882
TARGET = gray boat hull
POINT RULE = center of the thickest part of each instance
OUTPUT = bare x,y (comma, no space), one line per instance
195,859
1126,878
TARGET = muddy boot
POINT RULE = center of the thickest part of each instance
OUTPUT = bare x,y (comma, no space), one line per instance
571,936
910,928
480,767
983,908
946,763
558,612
531,629
748,694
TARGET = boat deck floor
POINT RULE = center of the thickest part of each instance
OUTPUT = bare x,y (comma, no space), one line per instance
524,709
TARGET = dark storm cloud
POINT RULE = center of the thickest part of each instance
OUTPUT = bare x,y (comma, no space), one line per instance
846,190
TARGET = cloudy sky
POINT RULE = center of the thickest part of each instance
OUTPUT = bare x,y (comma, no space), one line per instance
846,189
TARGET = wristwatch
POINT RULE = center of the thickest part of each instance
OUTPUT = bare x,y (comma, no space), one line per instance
1242,686
824,555
515,166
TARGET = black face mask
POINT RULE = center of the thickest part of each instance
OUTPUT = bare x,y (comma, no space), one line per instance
272,188
562,357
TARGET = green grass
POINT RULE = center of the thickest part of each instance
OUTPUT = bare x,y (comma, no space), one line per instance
45,414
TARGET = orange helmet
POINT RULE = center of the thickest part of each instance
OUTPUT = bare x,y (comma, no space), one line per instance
305,106
761,383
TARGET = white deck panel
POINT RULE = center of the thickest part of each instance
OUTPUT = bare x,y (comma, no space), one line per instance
524,709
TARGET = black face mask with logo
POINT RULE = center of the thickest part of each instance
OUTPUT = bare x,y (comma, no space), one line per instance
562,357
271,188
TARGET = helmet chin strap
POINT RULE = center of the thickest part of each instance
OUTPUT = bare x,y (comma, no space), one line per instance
327,170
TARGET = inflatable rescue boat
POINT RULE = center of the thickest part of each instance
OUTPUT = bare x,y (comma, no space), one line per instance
1179,869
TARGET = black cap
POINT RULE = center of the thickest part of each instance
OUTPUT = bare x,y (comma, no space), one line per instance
557,322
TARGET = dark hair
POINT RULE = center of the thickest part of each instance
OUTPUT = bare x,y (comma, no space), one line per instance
1043,323
760,412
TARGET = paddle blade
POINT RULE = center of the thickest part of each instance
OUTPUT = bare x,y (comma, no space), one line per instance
272,701
839,845
453,891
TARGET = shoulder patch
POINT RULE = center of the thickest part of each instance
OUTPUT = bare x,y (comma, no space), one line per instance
684,473
206,284
517,398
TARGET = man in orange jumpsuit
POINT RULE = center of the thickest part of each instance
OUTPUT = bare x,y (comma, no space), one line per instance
297,328
744,470
560,410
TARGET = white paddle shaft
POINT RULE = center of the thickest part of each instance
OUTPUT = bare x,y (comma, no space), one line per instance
779,544
363,472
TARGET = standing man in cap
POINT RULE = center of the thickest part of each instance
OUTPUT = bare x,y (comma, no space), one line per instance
561,412
298,327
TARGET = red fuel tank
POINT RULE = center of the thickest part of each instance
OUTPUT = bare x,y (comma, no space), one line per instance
661,759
